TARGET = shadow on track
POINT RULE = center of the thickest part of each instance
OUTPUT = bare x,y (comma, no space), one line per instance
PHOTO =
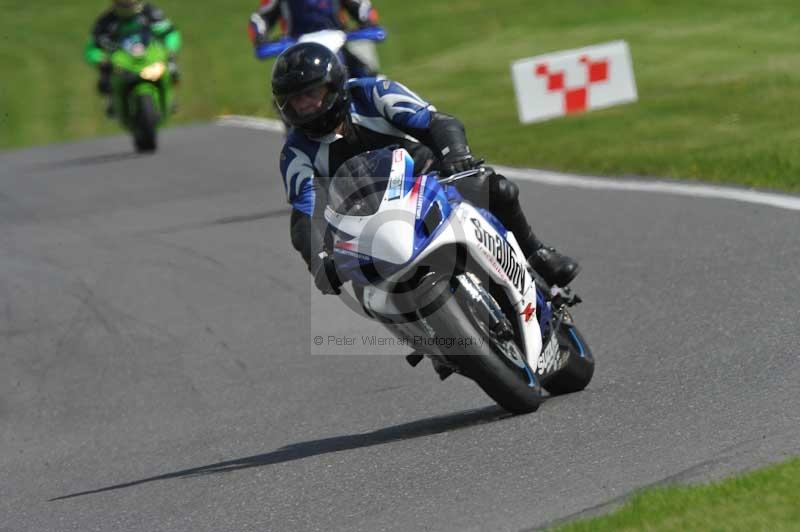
91,160
299,451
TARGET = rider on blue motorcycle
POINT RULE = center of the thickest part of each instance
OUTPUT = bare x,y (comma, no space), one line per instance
334,119
299,17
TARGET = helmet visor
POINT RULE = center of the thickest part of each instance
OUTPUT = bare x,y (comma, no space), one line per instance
308,104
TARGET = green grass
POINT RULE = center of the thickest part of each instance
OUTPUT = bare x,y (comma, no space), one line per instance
764,500
718,81
47,92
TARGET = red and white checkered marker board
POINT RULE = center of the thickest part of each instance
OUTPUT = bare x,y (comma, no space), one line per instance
573,81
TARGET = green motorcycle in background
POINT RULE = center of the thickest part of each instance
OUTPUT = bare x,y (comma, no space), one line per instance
142,90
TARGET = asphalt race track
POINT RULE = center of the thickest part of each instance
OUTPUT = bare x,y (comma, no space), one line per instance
155,366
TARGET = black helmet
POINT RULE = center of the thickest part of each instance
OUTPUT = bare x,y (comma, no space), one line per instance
309,84
127,8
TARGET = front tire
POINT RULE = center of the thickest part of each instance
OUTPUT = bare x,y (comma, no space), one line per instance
514,388
145,135
579,368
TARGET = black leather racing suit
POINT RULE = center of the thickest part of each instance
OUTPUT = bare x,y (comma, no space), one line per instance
383,113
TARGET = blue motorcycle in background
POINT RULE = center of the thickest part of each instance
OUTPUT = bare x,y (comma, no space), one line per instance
337,41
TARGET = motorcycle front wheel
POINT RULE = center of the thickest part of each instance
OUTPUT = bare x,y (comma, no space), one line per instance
578,370
146,122
496,364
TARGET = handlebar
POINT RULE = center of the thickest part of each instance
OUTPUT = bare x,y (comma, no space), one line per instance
275,48
479,169
369,33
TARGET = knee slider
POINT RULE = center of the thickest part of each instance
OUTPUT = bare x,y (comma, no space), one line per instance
504,191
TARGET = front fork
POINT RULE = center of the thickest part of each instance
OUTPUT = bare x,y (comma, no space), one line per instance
126,100
152,90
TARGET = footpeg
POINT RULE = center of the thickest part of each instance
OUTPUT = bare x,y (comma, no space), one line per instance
503,330
564,296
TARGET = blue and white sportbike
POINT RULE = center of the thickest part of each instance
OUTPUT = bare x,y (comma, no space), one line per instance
448,280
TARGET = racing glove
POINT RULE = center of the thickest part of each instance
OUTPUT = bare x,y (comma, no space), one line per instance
174,70
457,163
257,29
324,271
448,139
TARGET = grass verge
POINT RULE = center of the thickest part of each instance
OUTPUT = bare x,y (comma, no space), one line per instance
768,499
718,82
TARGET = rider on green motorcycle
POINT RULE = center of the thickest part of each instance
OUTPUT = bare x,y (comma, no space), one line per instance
125,18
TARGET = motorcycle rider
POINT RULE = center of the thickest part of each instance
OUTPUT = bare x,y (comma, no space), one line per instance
334,119
125,18
299,17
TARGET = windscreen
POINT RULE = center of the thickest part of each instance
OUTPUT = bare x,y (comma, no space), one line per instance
136,43
358,186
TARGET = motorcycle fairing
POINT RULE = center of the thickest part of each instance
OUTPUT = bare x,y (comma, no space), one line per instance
394,250
411,214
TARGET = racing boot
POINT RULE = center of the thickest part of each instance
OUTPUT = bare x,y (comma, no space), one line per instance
555,268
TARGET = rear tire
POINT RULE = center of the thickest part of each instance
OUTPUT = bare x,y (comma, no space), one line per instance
578,371
145,135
